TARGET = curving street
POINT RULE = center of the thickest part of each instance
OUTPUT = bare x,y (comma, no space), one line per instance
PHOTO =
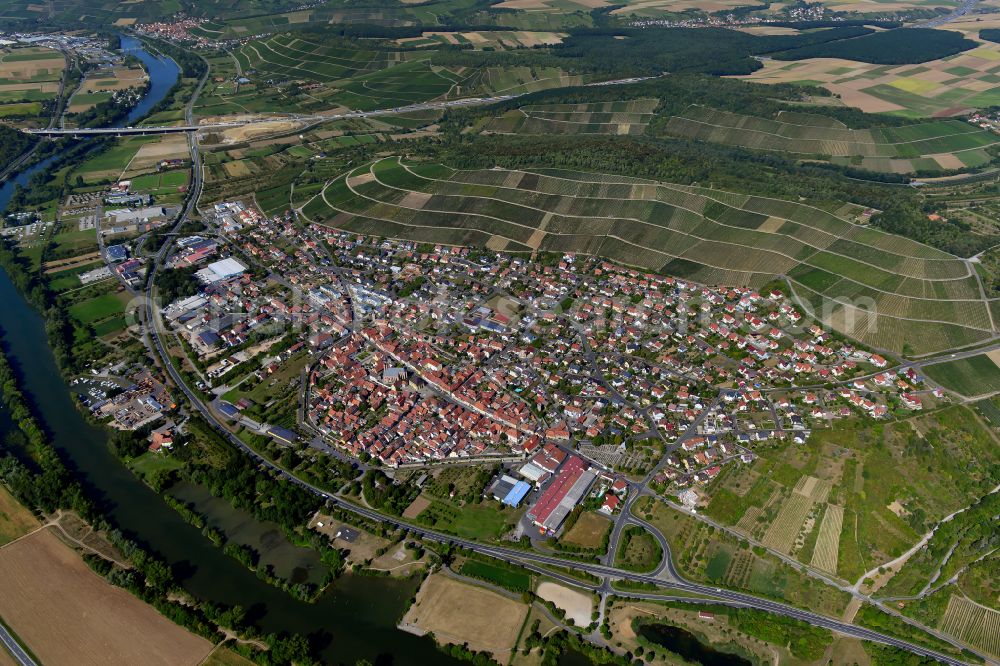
665,575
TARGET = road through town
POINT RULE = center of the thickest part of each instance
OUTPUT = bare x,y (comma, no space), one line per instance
665,576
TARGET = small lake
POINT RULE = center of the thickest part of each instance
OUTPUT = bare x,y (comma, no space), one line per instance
288,561
687,645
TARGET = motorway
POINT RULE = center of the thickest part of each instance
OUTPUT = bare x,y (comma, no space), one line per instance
308,119
673,579
15,649
313,119
665,575
966,7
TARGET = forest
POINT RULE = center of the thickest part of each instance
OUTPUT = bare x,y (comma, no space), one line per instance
892,47
619,52
13,143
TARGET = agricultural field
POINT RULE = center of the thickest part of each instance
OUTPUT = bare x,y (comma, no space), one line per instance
976,375
703,553
781,534
306,73
109,165
827,543
885,290
497,39
28,77
874,490
15,519
67,614
941,88
460,613
973,623
99,84
942,145
588,531
620,118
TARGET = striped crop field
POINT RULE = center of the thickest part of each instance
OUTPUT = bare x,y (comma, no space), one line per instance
937,145
629,117
781,534
815,489
297,57
885,290
973,623
341,73
827,543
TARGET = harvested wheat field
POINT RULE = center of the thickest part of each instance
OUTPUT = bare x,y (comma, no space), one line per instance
171,146
456,612
69,615
578,606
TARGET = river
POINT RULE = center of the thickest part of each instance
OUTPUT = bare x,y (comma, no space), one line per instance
163,73
355,619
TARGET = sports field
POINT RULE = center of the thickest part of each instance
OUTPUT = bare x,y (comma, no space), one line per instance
883,289
950,86
622,118
68,615
939,145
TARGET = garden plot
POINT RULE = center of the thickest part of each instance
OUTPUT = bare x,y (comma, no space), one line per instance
815,489
885,290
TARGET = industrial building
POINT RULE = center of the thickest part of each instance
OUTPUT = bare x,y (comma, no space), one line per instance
567,489
510,491
220,270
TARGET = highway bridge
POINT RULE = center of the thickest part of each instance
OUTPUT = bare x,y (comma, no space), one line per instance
305,119
125,131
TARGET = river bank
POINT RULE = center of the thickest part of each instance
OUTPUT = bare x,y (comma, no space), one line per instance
355,619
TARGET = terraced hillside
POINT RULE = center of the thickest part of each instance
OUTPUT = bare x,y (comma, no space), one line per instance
886,290
932,146
626,117
290,56
364,77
